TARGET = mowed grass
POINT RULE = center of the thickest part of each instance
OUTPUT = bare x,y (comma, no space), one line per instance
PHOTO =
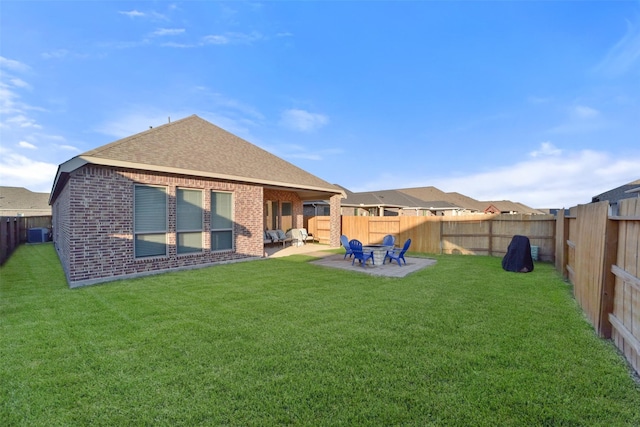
285,342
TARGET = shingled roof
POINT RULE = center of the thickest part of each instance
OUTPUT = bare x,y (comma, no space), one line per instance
193,146
626,191
20,201
466,202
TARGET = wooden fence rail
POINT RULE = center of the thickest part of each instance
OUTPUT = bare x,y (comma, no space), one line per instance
14,231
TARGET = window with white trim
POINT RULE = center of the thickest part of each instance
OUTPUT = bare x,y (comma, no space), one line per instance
221,221
150,221
189,220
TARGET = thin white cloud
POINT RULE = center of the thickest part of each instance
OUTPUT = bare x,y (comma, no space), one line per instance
160,32
129,123
231,38
23,122
536,100
25,144
551,179
132,13
302,120
580,119
13,65
20,171
231,104
297,151
68,148
546,149
55,54
624,56
19,83
583,112
49,137
152,15
8,100
178,45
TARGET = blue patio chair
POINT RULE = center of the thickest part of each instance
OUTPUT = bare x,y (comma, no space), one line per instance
388,240
345,242
358,254
397,254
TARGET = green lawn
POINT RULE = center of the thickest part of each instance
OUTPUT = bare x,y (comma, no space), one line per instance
285,342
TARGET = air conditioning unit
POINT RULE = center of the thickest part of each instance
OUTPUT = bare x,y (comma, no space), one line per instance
38,235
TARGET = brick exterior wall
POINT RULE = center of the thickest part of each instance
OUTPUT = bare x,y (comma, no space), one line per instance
60,216
335,221
93,224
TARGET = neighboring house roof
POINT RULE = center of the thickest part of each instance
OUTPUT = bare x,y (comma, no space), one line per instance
425,193
465,202
391,199
16,201
457,200
468,203
626,191
193,146
509,206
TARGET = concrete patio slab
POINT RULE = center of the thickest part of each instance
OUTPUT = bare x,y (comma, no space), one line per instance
387,270
332,260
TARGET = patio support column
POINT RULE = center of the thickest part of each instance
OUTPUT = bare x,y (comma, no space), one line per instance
335,223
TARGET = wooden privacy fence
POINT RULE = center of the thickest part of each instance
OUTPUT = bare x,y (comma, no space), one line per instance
14,229
472,234
598,253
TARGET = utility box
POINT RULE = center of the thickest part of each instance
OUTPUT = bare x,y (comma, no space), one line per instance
534,253
38,235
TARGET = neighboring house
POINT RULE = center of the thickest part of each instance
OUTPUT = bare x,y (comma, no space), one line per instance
382,203
389,203
464,205
417,201
18,201
613,196
182,195
509,207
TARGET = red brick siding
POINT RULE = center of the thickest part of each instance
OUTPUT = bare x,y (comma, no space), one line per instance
60,224
335,221
95,242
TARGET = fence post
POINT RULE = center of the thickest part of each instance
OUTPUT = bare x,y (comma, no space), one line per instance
490,237
4,241
562,249
13,234
608,278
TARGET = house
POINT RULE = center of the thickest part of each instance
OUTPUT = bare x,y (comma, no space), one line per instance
508,207
18,201
391,203
613,196
417,201
182,195
467,205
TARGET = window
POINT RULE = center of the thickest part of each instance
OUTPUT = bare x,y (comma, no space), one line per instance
221,221
189,220
150,221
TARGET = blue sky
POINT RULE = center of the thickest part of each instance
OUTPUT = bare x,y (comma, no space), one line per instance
531,101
